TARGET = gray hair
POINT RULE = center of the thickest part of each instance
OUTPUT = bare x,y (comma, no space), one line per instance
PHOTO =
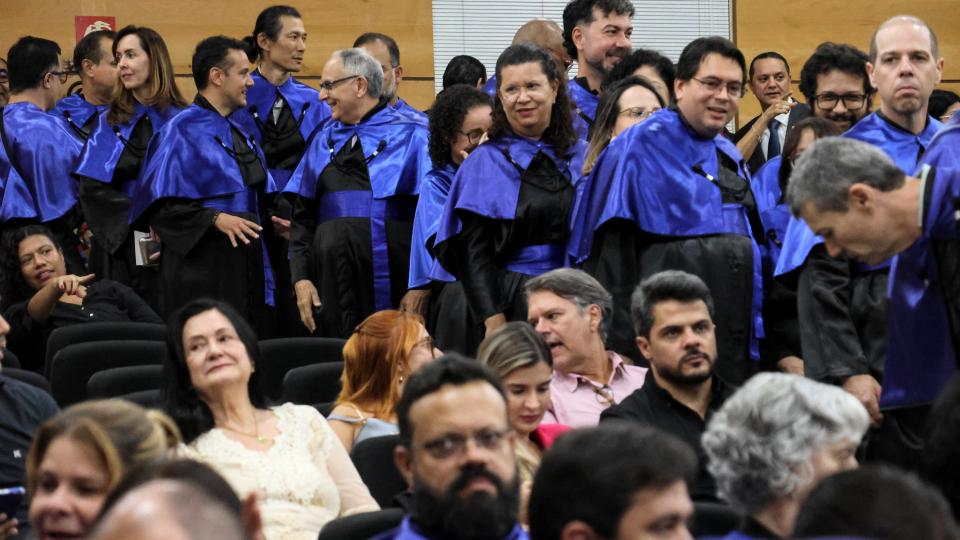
513,346
578,287
358,61
760,443
825,171
661,287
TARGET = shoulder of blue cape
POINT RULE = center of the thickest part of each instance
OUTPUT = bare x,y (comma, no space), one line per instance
73,104
898,144
401,162
16,201
942,151
103,149
189,158
486,183
766,184
671,199
797,244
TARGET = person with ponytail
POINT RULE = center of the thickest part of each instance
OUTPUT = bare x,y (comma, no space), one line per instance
144,101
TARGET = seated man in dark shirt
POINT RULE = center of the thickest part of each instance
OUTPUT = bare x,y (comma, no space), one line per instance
673,315
22,408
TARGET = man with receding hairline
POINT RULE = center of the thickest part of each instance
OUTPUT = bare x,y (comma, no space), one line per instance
384,48
545,33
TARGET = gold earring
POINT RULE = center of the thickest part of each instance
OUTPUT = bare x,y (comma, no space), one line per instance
401,379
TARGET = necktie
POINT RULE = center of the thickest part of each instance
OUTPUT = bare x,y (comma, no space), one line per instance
773,143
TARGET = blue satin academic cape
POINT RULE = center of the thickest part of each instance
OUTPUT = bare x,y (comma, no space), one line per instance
104,148
308,111
944,149
405,109
187,159
16,202
646,176
408,530
433,195
45,152
920,354
774,213
903,147
490,87
585,104
76,110
488,184
397,161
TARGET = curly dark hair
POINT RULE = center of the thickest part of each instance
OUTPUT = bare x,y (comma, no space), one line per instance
446,117
833,56
559,133
580,12
15,288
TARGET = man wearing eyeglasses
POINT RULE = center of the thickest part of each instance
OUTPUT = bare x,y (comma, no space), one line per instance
672,193
842,303
456,452
39,145
835,83
596,33
93,61
673,313
384,48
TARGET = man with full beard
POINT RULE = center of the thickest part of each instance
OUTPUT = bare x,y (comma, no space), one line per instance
672,312
456,451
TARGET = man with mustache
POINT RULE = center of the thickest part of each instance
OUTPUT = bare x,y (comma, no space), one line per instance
596,33
672,194
457,453
673,316
842,303
835,83
203,185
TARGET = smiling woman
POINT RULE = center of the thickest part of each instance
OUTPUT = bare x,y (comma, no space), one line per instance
287,455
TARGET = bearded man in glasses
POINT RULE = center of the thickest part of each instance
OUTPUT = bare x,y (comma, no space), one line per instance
457,453
672,194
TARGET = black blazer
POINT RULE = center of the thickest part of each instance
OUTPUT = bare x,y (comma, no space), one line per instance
797,114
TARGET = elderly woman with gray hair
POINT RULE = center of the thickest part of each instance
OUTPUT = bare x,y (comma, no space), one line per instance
773,441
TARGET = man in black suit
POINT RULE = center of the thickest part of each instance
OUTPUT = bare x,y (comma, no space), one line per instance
770,82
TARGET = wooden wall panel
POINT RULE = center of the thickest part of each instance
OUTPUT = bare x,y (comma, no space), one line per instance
794,28
331,25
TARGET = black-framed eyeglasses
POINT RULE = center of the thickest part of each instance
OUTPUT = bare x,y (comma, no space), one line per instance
473,135
328,85
61,74
455,444
734,88
829,100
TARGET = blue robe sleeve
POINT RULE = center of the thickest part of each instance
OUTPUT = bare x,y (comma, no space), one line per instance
433,195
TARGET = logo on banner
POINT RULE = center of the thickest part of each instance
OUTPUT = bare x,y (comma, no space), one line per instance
92,23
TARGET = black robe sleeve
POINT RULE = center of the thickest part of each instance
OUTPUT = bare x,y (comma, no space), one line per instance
181,223
133,305
303,227
829,338
475,265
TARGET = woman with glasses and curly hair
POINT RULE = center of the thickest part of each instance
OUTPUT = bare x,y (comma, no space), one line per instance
384,350
146,98
459,119
507,217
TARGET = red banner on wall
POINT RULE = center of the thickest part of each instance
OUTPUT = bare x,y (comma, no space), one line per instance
91,23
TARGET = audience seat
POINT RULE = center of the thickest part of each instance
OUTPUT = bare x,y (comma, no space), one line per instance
373,459
10,360
283,354
29,377
362,526
713,519
316,383
73,366
105,331
121,381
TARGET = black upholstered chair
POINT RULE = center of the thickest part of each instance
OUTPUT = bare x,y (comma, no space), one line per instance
105,331
283,354
316,383
361,526
119,382
74,365
373,459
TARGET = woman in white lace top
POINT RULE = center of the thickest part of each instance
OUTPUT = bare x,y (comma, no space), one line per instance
287,456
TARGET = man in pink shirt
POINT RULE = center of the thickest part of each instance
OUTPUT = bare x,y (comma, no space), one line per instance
570,309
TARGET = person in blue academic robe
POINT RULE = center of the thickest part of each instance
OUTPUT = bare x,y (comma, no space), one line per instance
843,303
645,209
507,217
110,164
80,115
204,188
94,62
354,197
42,150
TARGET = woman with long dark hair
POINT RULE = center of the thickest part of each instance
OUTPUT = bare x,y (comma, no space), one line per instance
507,217
146,98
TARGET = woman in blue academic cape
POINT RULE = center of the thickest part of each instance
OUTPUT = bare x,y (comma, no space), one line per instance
281,113
145,100
459,118
507,217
